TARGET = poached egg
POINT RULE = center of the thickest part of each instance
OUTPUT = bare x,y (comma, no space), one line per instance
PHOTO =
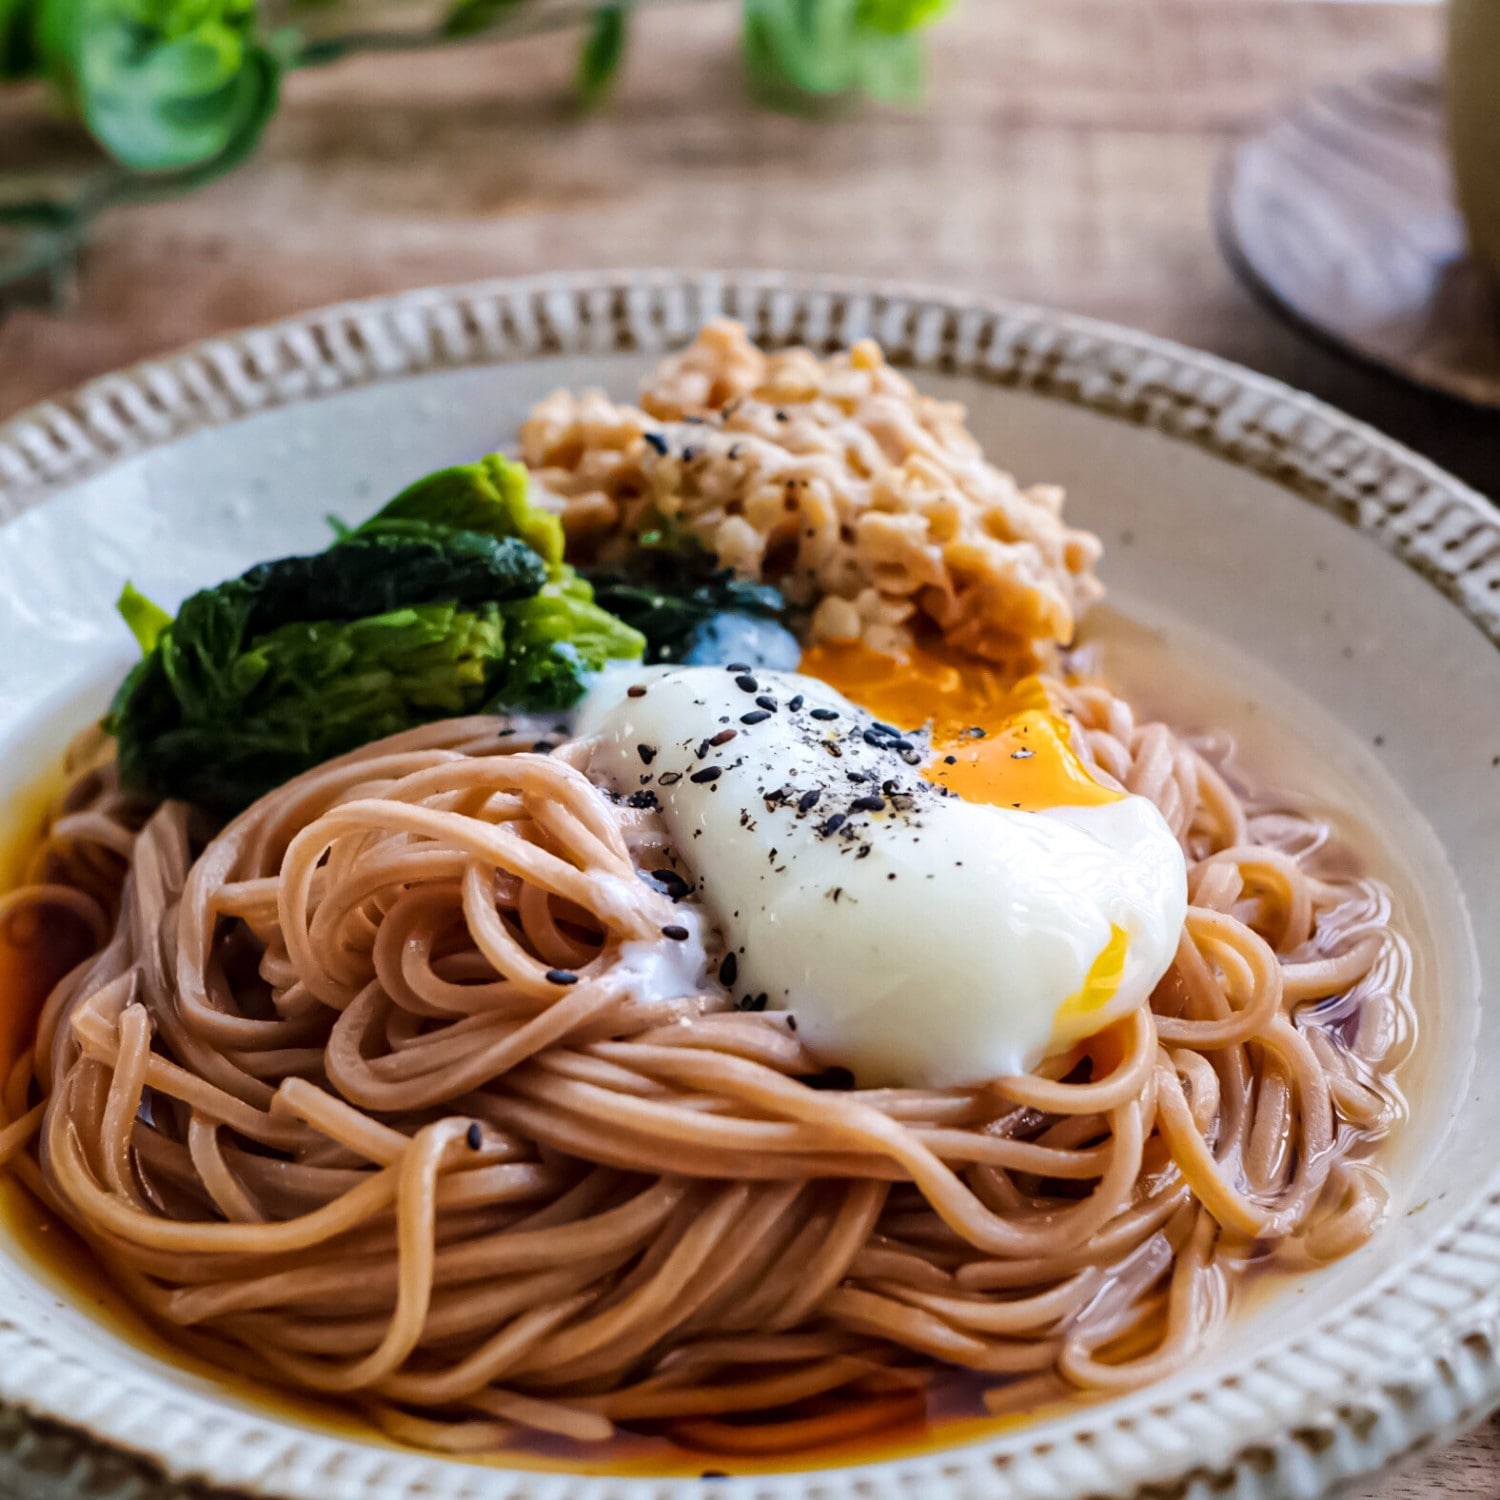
936,901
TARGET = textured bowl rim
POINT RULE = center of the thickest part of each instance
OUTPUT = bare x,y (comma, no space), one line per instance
1412,1360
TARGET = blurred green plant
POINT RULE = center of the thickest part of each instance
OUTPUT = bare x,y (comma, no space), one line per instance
174,93
800,52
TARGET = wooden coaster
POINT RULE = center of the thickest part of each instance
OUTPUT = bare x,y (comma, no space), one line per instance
1340,213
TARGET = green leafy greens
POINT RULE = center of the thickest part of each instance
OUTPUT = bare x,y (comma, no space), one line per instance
685,608
451,599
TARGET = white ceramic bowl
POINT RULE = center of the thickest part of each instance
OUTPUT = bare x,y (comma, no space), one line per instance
1273,565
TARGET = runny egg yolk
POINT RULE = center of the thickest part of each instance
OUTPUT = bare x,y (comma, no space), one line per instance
993,741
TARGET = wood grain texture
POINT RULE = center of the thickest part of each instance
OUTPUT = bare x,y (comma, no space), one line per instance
1066,157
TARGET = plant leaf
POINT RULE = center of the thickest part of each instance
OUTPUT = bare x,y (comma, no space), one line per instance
801,45
453,595
163,85
19,57
491,496
799,52
601,55
470,17
896,17
891,66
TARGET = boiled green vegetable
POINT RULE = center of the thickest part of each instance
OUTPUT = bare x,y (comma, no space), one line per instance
672,595
490,496
452,599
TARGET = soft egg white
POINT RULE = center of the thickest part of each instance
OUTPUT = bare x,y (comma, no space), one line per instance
920,940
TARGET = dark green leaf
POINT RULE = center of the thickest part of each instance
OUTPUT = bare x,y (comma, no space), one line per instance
218,720
670,597
372,575
469,17
453,596
600,57
19,57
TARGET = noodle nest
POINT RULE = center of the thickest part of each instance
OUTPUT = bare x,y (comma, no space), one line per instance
359,1093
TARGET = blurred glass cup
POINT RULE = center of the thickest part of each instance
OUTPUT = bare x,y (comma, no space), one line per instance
1474,122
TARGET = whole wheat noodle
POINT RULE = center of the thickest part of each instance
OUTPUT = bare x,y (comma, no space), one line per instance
327,1104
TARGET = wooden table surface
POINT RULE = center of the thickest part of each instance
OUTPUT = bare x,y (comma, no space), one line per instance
1065,157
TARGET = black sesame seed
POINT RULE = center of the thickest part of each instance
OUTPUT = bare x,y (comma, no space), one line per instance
912,756
636,690
474,1136
756,716
824,714
1022,754
950,760
647,753
871,803
561,976
831,825
669,778
795,703
708,773
755,1002
738,666
723,737
767,702
505,734
689,454
642,799
874,738
746,683
729,970
886,728
791,1023
702,749
656,440
676,933
543,747
808,800
670,881
974,733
